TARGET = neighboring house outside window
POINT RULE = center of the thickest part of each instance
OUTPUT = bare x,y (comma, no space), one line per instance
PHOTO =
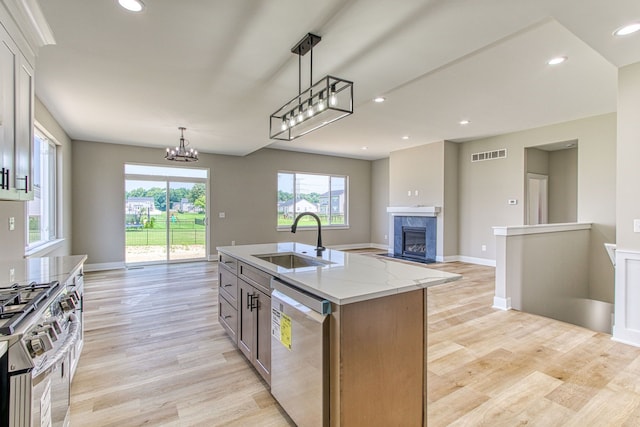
41,211
324,195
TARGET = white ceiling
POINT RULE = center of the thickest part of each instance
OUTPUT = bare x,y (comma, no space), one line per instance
221,67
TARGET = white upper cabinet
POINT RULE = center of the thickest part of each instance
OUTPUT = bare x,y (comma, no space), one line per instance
24,131
22,31
8,64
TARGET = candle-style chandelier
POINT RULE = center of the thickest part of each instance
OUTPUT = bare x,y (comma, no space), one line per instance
181,153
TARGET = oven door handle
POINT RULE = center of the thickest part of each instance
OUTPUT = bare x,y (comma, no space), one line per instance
72,338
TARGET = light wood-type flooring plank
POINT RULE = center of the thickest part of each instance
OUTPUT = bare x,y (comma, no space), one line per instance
155,355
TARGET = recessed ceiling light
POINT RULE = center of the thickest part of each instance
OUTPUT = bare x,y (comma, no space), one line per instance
464,122
364,147
405,137
132,5
627,29
557,60
379,99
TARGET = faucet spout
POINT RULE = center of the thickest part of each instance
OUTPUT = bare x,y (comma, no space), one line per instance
294,227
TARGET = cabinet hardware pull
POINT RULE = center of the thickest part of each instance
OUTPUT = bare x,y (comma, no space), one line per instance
4,185
249,303
227,285
26,183
228,316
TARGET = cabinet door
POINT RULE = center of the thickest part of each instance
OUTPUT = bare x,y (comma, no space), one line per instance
262,349
246,322
8,58
24,130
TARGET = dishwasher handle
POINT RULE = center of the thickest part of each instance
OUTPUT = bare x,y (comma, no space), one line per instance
314,302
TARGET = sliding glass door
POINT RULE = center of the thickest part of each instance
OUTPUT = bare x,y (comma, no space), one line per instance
165,214
187,220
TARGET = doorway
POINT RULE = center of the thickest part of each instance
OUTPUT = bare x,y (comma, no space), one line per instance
537,199
165,214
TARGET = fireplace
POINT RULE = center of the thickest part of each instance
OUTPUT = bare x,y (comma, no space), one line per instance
414,242
414,238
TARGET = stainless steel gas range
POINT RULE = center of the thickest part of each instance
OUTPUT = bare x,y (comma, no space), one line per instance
42,323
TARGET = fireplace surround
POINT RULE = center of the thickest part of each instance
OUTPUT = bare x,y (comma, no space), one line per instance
426,214
414,238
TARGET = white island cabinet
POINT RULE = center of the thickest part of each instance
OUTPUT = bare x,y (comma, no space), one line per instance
377,326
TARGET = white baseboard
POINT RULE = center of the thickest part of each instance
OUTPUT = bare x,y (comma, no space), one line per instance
472,260
358,246
502,303
102,266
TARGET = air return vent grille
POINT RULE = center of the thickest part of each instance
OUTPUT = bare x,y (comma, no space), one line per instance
489,155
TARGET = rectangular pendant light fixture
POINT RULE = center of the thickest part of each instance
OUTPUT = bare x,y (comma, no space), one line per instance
324,102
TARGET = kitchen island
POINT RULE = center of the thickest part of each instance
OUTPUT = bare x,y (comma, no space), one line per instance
376,326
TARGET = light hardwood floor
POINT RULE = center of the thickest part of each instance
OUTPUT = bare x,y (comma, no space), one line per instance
155,355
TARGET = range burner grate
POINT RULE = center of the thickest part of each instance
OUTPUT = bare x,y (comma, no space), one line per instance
17,302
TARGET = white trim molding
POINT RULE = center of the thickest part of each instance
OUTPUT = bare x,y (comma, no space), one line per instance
471,260
519,230
414,210
626,327
501,303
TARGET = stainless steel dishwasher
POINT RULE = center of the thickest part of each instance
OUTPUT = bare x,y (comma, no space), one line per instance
300,354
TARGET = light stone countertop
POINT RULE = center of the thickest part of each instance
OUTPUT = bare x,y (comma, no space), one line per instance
39,270
349,278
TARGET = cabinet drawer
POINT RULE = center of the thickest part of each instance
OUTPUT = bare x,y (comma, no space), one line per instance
257,278
228,286
228,262
228,318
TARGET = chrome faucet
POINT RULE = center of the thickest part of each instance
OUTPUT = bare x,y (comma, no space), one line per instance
319,247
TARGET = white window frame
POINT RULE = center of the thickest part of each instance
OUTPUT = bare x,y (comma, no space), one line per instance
329,176
50,241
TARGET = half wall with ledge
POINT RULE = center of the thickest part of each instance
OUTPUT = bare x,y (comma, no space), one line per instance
544,269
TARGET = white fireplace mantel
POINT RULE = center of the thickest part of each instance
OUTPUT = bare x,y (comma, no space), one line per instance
414,210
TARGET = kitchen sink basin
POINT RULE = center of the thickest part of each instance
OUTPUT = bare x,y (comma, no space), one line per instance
292,260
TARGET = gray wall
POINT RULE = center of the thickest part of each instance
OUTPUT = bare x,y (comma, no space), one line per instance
418,169
561,166
450,204
486,186
14,242
536,161
628,170
244,188
563,186
379,201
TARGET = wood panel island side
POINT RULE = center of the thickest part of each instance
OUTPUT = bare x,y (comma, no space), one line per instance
377,326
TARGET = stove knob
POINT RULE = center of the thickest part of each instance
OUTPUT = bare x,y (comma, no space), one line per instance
46,340
51,331
68,304
36,347
40,343
55,325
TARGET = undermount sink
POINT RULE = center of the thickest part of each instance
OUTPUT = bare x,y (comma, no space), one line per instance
292,260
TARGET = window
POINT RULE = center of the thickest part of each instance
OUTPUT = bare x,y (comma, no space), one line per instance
41,211
324,195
